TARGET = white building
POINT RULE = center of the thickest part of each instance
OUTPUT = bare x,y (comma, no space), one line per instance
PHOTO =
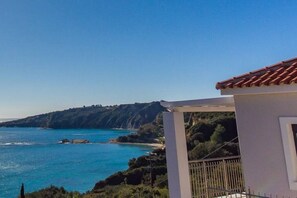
265,103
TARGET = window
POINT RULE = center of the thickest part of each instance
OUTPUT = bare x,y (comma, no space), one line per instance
289,137
294,130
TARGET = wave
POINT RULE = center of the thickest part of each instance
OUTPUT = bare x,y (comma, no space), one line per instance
17,143
84,134
9,165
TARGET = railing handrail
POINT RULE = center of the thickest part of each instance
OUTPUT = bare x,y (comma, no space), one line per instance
216,159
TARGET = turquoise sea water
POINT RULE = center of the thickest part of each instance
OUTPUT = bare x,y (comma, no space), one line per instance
33,156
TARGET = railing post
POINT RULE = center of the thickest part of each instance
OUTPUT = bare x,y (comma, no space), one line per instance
249,192
205,178
225,176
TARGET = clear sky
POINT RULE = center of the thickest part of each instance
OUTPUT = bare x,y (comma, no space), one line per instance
60,54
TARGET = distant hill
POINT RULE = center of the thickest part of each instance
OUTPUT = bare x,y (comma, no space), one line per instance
127,116
7,119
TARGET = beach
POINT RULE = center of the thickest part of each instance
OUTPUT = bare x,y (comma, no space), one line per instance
155,145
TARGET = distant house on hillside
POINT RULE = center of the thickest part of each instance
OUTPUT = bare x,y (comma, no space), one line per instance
265,103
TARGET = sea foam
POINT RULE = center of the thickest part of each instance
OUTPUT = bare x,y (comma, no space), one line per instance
16,143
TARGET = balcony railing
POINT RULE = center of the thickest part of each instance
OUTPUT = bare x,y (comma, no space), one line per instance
219,173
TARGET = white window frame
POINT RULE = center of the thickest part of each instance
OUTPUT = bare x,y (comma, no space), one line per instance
289,149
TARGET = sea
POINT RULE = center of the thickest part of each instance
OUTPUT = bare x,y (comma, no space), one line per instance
34,157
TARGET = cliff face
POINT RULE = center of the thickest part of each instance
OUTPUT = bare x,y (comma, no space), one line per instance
128,116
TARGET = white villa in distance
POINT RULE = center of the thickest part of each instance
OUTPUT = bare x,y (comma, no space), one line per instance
265,104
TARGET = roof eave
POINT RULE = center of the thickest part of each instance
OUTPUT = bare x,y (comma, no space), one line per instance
272,89
222,104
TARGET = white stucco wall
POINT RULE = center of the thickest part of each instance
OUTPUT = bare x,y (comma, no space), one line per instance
260,140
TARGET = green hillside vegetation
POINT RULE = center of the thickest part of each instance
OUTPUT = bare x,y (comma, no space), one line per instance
53,192
120,191
148,133
127,116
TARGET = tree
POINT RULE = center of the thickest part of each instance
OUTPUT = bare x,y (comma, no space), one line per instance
22,193
216,137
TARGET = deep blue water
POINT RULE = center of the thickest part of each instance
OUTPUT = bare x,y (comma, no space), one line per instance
33,156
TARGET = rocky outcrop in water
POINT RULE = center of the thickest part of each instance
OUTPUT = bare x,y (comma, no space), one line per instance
75,141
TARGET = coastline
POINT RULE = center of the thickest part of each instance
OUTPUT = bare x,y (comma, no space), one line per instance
133,130
155,145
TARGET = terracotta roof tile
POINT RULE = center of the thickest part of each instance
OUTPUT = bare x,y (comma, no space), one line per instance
247,83
294,80
286,80
239,83
284,72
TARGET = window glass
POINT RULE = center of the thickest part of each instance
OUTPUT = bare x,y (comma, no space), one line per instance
294,129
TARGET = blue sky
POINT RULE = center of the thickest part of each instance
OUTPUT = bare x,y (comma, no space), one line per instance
60,54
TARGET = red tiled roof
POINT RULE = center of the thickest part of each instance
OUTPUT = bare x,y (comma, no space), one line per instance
281,73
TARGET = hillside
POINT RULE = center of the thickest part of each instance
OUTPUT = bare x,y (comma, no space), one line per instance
127,116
